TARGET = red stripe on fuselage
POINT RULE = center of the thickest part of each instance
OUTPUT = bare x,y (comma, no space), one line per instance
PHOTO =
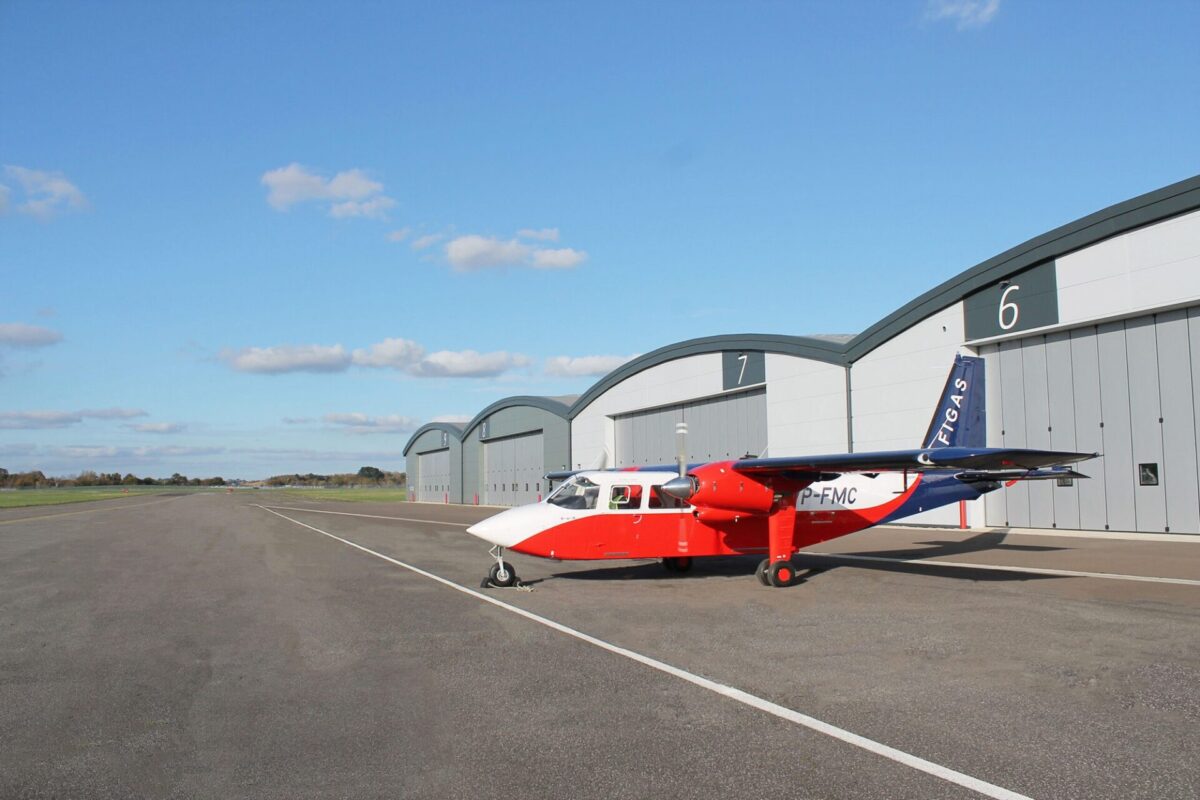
628,534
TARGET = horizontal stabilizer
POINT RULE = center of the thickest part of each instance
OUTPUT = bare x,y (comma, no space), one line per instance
983,476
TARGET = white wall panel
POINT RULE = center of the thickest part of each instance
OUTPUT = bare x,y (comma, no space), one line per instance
1145,412
1177,369
1061,388
1148,268
806,406
1089,435
1118,440
896,386
1037,426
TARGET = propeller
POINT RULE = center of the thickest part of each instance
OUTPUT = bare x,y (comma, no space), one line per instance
682,487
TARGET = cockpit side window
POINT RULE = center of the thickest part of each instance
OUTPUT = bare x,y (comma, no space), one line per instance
578,493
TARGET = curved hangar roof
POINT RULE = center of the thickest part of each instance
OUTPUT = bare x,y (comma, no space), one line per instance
559,406
1143,210
453,429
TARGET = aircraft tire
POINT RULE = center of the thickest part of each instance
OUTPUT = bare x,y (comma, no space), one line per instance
761,572
781,573
683,563
510,575
669,564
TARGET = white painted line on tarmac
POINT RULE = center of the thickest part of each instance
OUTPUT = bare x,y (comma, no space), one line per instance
370,516
1066,573
812,723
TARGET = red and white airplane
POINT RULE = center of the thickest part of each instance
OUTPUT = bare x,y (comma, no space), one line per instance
768,506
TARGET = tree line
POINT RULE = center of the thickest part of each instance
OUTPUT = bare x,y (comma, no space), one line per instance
36,479
366,476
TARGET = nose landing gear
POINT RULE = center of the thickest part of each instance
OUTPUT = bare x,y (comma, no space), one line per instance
501,574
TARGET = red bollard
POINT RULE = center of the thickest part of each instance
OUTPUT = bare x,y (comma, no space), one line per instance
539,497
477,498
446,498
962,514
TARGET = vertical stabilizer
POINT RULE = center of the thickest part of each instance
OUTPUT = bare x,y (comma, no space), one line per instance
959,420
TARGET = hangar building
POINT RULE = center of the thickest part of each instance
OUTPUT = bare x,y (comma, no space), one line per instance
508,448
1091,338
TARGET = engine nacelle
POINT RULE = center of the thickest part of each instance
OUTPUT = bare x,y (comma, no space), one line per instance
718,486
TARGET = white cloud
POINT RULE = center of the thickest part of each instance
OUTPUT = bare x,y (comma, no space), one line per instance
375,208
964,13
467,364
394,353
297,420
357,422
399,235
5,192
288,358
402,355
113,413
18,334
456,418
471,252
38,420
157,427
540,234
41,420
562,258
350,193
428,240
46,194
567,366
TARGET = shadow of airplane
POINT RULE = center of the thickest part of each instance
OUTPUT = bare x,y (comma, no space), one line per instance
816,563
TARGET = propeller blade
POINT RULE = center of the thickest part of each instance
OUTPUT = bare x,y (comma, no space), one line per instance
681,447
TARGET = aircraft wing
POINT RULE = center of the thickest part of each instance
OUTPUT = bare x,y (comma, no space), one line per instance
972,458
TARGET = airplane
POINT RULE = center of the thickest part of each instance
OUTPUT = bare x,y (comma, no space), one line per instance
769,506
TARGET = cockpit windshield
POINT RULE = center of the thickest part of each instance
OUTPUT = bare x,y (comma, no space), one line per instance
577,493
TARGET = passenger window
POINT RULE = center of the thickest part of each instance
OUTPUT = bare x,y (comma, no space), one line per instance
619,498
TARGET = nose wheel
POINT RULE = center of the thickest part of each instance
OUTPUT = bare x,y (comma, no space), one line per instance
501,574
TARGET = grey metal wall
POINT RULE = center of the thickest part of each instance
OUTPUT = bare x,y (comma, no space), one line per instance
1129,389
435,475
722,427
513,470
488,461
445,470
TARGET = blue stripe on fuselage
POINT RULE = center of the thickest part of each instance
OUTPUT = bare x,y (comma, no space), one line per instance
937,488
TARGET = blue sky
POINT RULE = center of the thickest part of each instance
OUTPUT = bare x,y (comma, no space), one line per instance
249,238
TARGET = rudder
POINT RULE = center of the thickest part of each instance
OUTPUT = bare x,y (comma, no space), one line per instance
960,417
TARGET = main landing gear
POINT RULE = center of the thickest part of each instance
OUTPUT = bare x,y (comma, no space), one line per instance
501,574
775,573
677,563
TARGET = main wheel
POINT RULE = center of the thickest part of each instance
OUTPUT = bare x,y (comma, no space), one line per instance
669,565
683,563
761,572
781,573
502,574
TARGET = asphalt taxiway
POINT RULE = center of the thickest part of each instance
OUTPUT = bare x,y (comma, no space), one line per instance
218,645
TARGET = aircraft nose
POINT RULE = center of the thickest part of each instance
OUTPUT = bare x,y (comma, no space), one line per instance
509,527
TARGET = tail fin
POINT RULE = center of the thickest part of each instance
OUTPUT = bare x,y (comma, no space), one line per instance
959,420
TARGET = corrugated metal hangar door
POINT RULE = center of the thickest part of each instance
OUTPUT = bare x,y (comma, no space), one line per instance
1126,389
723,427
513,470
434,471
